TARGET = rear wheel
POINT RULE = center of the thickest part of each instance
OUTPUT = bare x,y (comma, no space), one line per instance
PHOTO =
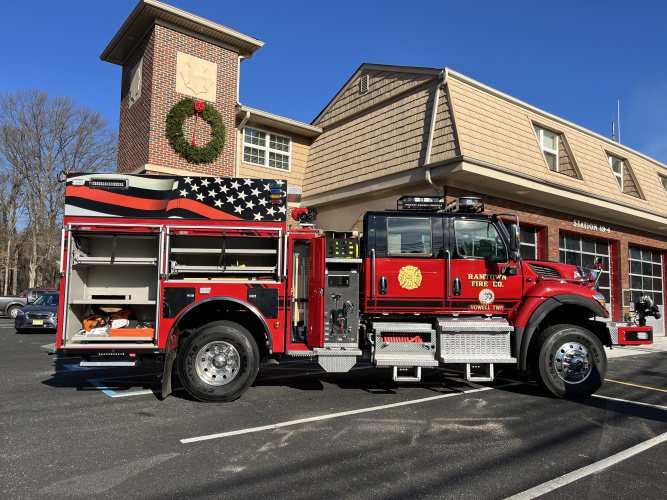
571,361
218,362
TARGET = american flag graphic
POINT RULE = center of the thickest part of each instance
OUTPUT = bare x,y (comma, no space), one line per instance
157,196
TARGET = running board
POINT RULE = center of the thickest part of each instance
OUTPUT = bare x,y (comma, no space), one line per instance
470,376
402,374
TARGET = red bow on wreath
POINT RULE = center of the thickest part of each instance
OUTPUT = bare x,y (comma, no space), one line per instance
199,107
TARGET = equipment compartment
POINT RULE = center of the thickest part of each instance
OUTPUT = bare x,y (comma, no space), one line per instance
225,254
108,269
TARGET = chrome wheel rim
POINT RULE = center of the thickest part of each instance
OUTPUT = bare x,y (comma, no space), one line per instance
13,313
218,363
573,363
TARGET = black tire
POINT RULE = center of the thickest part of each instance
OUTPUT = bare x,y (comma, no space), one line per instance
218,362
13,311
571,361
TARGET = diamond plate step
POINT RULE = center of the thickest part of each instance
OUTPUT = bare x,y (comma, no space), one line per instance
109,363
405,359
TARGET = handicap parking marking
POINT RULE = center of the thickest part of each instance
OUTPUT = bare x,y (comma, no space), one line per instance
78,368
100,383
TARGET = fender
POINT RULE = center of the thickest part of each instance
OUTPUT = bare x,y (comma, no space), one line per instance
174,333
15,303
525,334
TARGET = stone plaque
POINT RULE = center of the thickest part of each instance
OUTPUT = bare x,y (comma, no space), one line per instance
196,77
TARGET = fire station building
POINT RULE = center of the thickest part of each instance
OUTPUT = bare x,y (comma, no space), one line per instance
394,130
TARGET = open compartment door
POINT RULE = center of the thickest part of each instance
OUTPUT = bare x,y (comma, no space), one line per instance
316,282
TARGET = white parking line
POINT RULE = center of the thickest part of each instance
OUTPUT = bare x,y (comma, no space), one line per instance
588,470
597,466
631,402
330,416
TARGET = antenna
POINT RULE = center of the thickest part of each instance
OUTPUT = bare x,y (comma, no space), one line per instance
613,135
619,121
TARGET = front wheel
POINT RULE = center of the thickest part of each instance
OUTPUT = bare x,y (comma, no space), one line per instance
219,362
571,361
13,311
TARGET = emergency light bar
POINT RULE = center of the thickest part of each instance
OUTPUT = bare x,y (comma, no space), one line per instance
101,183
468,204
420,203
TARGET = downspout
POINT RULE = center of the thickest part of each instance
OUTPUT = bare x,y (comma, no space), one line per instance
434,114
239,143
239,149
238,77
440,190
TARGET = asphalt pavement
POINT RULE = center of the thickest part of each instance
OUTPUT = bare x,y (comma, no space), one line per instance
300,433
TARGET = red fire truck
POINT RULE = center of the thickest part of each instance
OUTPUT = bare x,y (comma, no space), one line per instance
203,274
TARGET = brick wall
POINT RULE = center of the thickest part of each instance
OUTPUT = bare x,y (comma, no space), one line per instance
142,127
134,126
551,223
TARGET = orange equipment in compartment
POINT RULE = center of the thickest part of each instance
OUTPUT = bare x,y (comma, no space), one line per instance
132,332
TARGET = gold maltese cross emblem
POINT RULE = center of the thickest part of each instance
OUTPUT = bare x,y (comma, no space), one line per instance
410,277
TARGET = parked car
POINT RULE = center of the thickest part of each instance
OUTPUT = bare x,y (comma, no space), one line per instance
12,304
41,314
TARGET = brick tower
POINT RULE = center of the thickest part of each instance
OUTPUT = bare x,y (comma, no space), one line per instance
167,55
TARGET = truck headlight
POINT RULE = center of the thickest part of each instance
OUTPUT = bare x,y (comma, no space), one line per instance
600,298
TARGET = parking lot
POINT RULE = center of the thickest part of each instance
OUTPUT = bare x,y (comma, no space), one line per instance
70,432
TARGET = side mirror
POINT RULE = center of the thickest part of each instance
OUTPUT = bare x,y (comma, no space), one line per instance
515,238
515,242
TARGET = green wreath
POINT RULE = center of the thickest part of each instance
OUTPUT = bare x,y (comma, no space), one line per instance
184,147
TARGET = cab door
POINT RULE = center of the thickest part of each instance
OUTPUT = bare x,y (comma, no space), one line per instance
406,262
483,280
316,285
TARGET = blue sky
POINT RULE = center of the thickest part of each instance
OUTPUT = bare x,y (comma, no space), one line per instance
574,59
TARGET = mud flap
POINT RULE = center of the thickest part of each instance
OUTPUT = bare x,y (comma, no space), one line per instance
168,370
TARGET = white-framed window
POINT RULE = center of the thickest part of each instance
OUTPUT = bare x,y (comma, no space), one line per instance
617,167
528,242
663,181
549,142
266,149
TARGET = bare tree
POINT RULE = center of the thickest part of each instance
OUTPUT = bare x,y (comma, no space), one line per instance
11,210
41,136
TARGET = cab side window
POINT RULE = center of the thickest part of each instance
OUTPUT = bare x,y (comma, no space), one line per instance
409,236
479,239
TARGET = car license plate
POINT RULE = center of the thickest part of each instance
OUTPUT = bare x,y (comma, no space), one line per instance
36,322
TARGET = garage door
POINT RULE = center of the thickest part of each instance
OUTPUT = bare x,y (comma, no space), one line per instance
582,252
646,277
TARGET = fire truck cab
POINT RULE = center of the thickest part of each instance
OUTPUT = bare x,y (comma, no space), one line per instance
204,275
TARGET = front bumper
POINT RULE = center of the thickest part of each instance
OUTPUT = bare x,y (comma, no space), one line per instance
629,334
28,322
